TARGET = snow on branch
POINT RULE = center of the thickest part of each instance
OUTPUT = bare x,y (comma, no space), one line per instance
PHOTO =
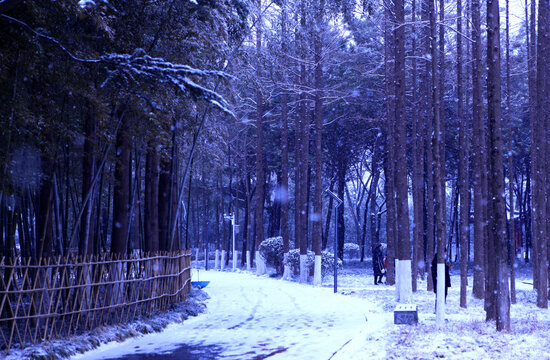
140,65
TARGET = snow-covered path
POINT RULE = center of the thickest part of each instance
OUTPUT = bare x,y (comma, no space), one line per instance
250,317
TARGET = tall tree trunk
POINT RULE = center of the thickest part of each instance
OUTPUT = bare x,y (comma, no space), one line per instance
532,79
168,190
497,205
196,225
107,212
232,205
479,156
303,159
45,208
260,179
463,171
284,146
417,169
512,232
174,236
121,192
318,115
342,169
442,79
363,239
453,228
219,221
276,210
204,220
539,150
67,196
98,213
85,245
152,197
425,85
529,216
164,203
188,213
373,193
389,169
401,182
438,174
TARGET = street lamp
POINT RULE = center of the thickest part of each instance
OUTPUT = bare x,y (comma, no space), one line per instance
336,206
231,217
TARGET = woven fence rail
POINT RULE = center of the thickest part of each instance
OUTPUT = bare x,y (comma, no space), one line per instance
44,299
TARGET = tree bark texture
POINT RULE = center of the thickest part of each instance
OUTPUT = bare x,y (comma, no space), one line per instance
152,174
512,226
401,181
389,170
86,244
121,191
464,172
425,85
498,272
419,263
318,116
479,157
540,151
260,178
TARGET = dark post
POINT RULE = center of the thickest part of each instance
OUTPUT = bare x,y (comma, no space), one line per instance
335,247
337,204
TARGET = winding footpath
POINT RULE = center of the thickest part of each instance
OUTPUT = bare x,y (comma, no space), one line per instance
251,317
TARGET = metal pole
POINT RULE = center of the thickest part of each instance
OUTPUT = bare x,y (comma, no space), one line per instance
336,249
206,250
337,203
234,250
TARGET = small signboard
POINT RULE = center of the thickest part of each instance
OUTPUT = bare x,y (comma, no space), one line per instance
405,314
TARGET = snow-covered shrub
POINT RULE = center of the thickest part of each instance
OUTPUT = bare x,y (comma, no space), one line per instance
272,251
293,260
351,250
327,262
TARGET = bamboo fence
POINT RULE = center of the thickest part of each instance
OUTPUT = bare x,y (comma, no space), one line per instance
63,296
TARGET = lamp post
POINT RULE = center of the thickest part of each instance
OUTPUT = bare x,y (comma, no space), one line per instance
231,217
338,202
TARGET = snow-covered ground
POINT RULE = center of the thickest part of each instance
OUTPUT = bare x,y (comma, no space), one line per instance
251,317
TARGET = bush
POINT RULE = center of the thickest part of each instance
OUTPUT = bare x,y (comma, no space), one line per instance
351,250
327,261
293,260
272,251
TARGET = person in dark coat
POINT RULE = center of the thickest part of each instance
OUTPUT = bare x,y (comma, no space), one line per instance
447,275
378,263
